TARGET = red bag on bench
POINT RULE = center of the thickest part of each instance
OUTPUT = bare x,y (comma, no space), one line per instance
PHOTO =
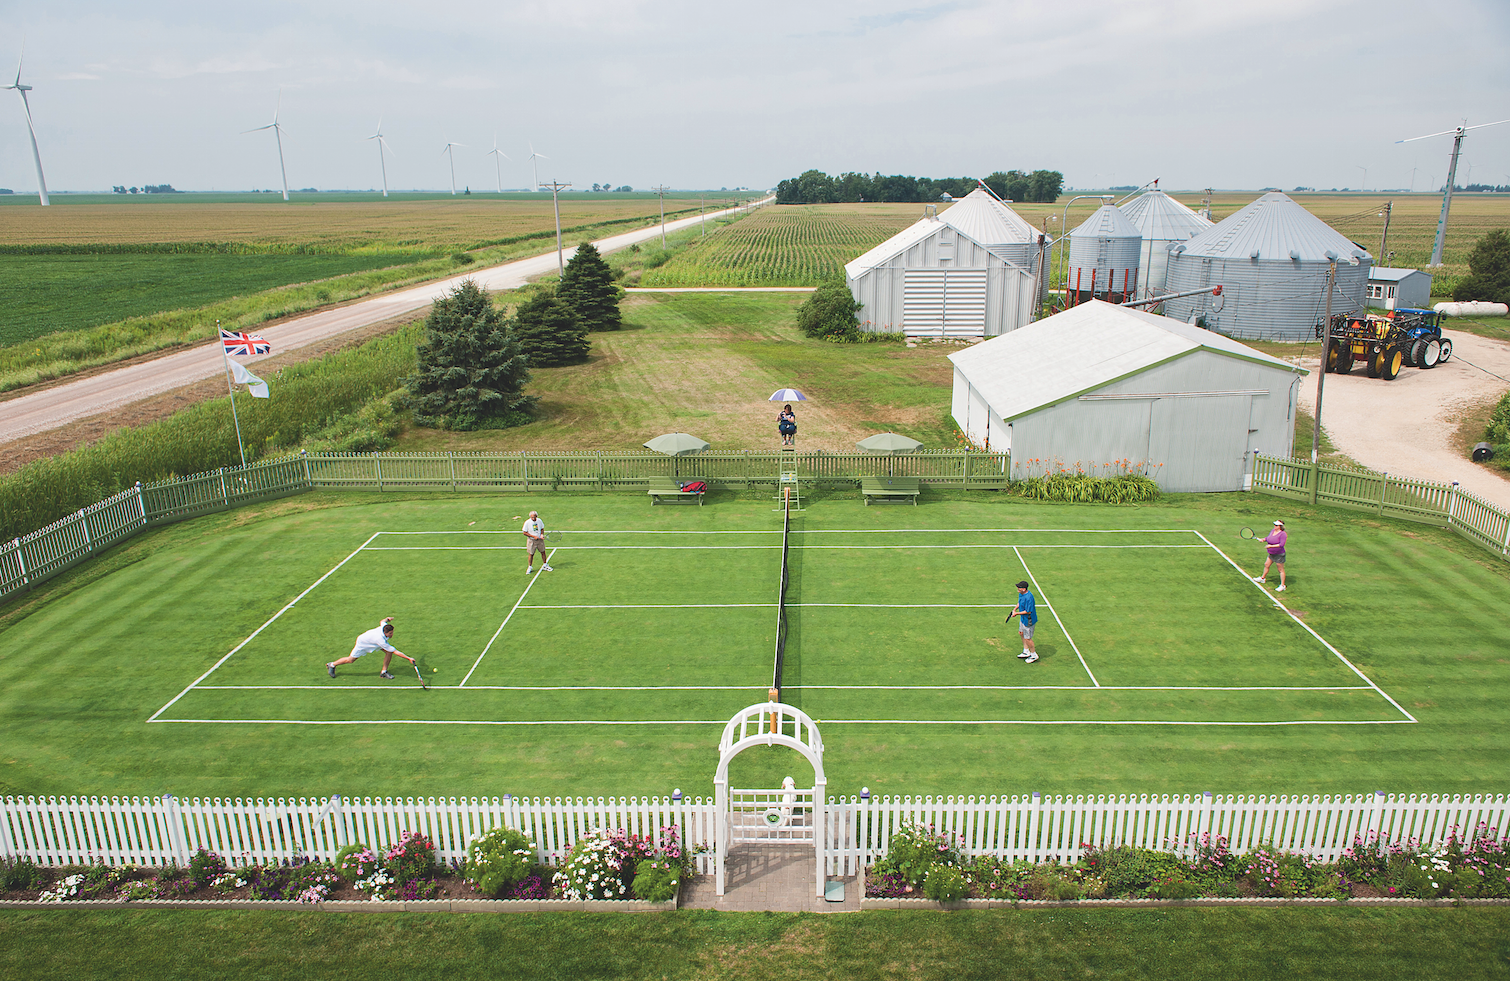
695,486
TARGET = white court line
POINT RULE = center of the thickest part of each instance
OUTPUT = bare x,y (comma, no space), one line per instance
408,688
261,628
533,579
790,606
1273,598
1055,613
723,722
584,548
830,531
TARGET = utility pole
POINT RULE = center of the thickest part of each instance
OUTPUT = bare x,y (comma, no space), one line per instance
662,192
702,218
1389,206
1326,350
556,188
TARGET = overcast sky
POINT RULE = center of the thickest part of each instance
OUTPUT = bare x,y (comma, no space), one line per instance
1223,93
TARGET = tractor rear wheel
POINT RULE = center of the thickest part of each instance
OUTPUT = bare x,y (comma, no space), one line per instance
1446,351
1414,351
1431,356
1390,362
1344,361
1375,363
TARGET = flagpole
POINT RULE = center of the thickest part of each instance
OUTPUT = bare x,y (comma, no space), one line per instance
232,388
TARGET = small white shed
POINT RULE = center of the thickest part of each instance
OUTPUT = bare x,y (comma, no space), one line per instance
933,280
1399,289
1098,384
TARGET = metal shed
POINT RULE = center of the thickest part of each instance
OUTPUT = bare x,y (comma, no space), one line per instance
1107,388
988,220
1163,222
933,280
1404,289
1104,256
1271,261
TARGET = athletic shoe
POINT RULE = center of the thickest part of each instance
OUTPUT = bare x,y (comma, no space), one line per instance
1280,588
1023,654
331,668
546,568
1031,659
529,570
384,674
1258,578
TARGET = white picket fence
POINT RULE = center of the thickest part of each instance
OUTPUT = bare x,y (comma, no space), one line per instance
159,830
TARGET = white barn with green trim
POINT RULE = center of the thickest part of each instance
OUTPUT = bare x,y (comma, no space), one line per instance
1101,384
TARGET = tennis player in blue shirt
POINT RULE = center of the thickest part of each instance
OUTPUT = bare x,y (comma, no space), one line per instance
1027,612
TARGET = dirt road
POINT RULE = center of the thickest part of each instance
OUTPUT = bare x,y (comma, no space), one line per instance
1406,426
70,402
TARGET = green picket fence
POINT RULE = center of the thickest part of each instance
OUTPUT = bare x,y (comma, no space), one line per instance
1385,494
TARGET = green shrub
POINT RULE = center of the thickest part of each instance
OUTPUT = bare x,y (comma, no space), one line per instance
353,861
499,859
1082,488
914,850
830,313
19,873
1129,871
205,866
657,880
1174,887
945,884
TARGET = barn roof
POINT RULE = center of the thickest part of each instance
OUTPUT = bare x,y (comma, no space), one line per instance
1082,349
1386,274
1273,228
989,221
901,242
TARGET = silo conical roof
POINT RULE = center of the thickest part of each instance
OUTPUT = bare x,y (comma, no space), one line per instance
1273,228
1160,218
1107,222
988,220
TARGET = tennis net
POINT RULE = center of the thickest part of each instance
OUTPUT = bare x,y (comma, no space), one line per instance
781,624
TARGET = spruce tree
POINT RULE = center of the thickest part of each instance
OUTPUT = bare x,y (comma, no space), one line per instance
549,331
472,370
1489,270
588,288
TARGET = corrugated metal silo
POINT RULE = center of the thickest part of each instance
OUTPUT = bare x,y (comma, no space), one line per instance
1163,223
988,220
1271,261
1104,256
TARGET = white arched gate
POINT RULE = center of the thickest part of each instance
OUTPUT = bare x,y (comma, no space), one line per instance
765,816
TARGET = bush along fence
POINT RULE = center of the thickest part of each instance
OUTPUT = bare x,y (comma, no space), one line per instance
35,557
1390,495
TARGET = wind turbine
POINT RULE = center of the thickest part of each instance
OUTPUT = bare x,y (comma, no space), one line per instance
25,105
278,134
382,145
534,157
1452,172
495,153
452,154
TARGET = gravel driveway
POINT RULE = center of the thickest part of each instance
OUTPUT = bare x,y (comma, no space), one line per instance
1406,426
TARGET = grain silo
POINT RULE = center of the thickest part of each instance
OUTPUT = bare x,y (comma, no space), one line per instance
1271,261
1103,257
988,220
1163,223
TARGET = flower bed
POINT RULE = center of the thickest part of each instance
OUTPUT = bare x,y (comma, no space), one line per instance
924,864
500,865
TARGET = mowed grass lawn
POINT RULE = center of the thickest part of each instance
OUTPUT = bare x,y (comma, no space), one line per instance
33,288
1164,669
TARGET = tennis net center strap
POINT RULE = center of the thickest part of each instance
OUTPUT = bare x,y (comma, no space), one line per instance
781,622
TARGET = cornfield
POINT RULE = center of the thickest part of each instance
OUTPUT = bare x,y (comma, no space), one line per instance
785,246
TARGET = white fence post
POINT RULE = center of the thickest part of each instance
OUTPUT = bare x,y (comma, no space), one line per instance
173,824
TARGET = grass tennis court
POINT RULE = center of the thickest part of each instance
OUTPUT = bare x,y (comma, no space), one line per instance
193,659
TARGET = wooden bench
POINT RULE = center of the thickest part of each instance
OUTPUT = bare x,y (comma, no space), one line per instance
670,487
888,488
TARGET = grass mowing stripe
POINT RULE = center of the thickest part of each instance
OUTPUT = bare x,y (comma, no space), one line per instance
533,579
454,722
1307,628
578,548
1055,614
1108,722
489,688
259,630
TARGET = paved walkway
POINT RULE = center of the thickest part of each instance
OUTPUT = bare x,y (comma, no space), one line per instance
780,878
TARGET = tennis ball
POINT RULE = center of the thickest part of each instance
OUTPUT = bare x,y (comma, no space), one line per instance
433,670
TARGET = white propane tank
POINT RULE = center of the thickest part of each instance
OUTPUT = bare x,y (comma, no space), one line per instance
1472,308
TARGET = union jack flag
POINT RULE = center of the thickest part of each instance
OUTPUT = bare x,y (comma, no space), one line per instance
243,343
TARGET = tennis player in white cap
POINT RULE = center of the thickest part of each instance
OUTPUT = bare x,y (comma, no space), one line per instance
534,541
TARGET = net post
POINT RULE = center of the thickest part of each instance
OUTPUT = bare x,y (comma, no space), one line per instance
775,695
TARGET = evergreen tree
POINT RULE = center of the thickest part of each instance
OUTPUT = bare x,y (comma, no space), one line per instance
549,331
1489,265
830,313
471,371
588,288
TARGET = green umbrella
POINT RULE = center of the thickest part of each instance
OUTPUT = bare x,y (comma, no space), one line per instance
677,444
890,444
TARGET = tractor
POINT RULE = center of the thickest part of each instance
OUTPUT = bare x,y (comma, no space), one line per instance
1386,344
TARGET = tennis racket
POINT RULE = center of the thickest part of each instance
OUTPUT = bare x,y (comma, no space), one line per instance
420,674
1245,533
554,537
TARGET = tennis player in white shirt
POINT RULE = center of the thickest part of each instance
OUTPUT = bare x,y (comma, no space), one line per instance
534,541
379,638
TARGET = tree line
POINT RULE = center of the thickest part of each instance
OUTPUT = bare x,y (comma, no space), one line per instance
816,187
